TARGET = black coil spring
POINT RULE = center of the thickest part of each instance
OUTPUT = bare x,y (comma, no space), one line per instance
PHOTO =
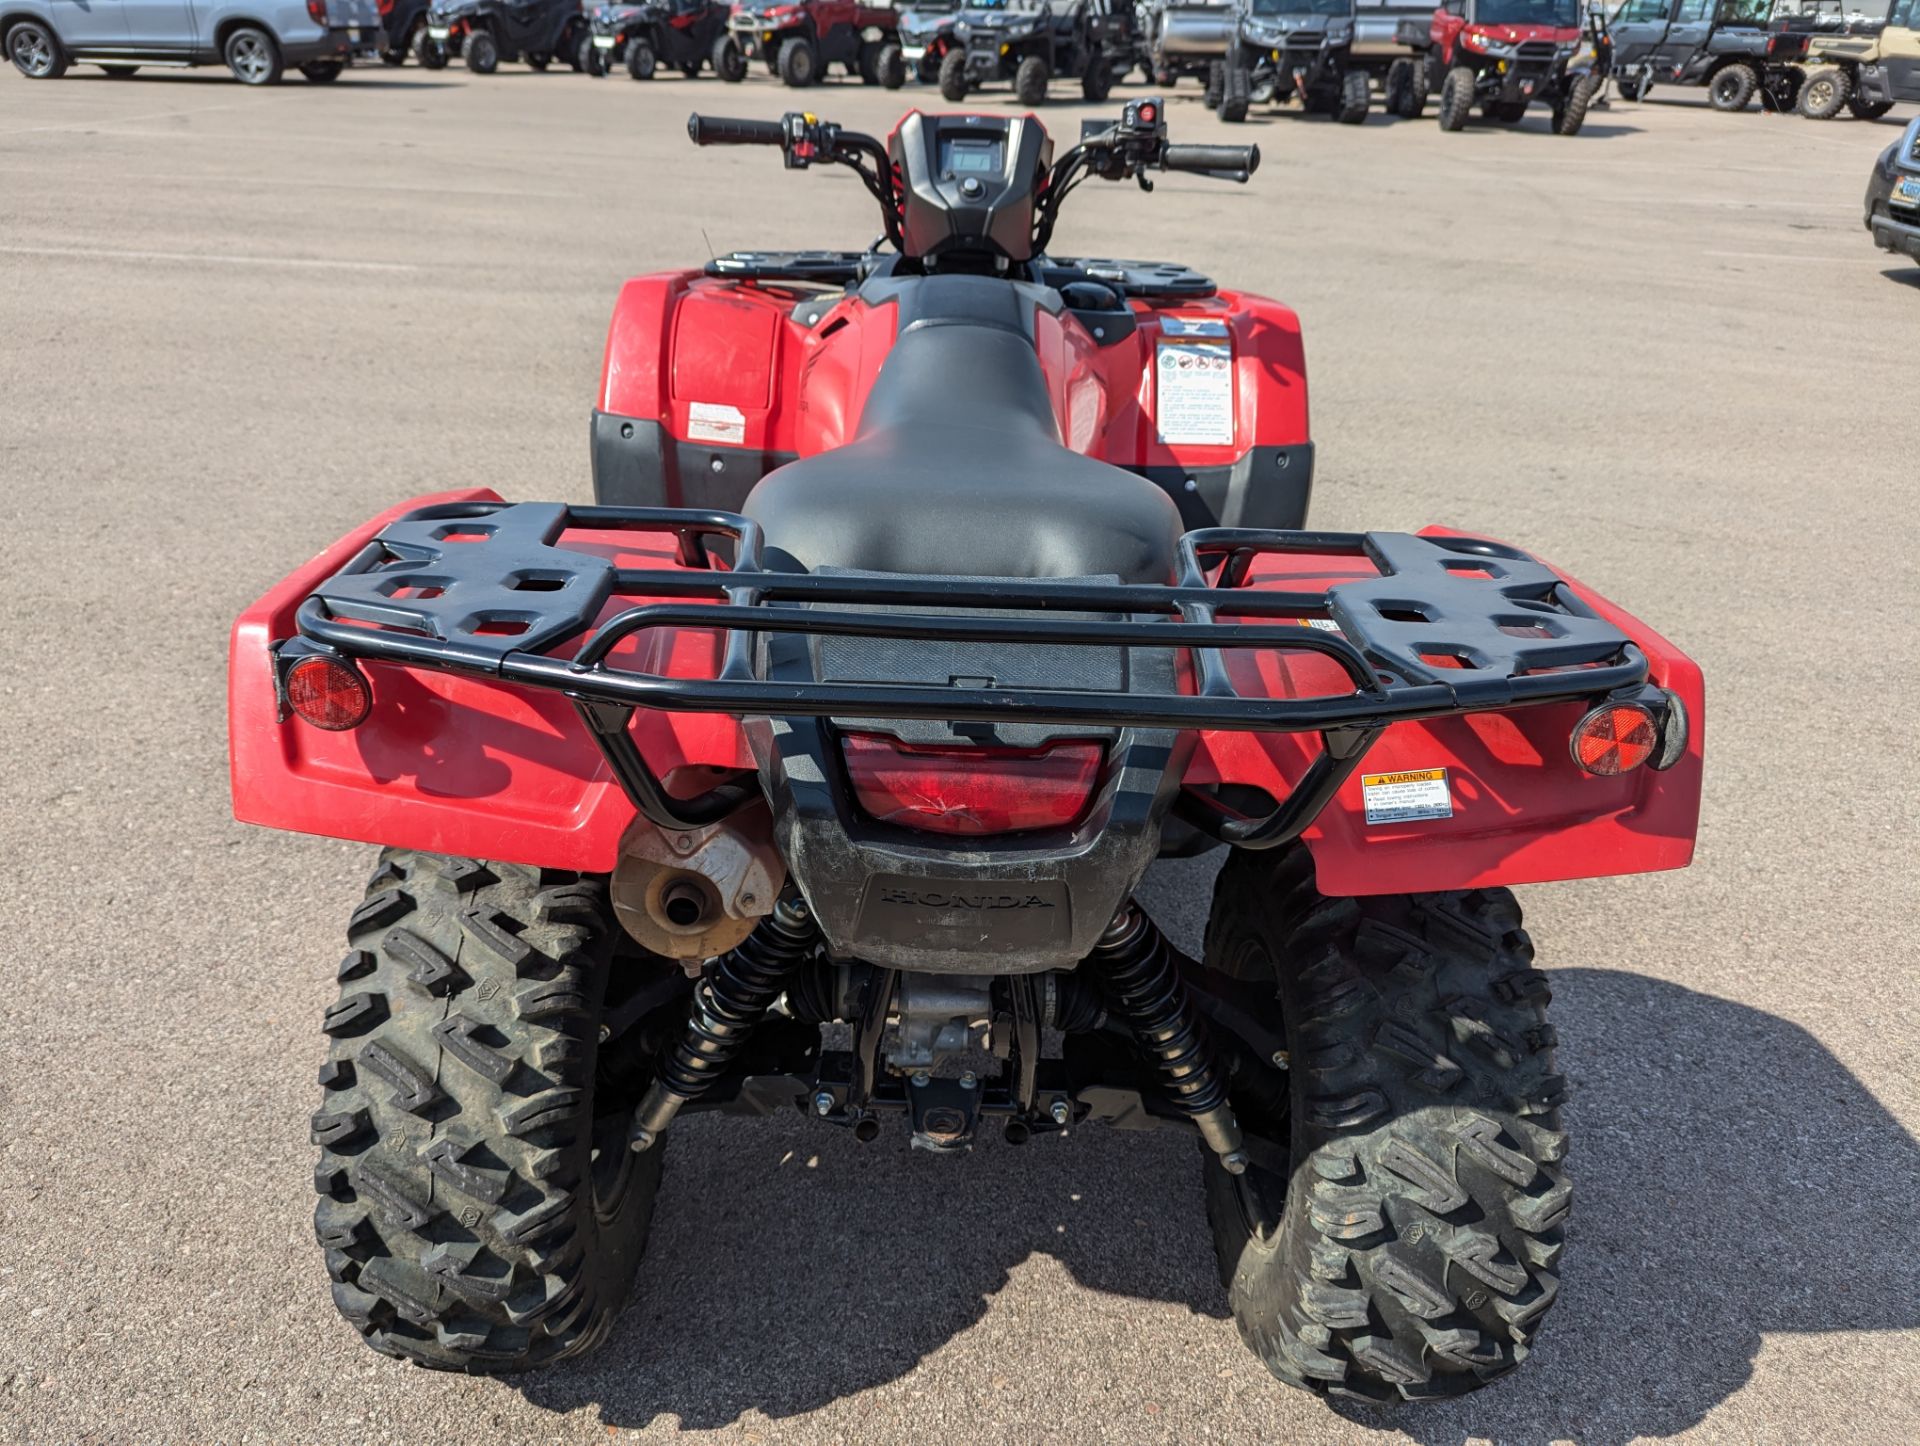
1150,998
734,997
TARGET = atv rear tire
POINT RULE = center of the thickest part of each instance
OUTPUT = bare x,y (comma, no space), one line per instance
799,63
1571,113
641,61
1096,83
1456,98
475,1214
1408,1249
483,53
1030,81
953,77
1824,93
891,66
1237,96
728,61
1732,87
1356,98
1867,110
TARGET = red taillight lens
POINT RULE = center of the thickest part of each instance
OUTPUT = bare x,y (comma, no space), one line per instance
328,693
317,11
385,8
1615,738
959,790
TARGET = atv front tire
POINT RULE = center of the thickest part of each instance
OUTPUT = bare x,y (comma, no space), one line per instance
953,77
1356,97
475,1213
891,66
799,63
1407,1249
1824,93
1571,113
1030,81
1456,98
728,61
1731,88
641,61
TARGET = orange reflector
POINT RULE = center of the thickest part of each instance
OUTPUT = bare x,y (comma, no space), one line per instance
328,693
1615,738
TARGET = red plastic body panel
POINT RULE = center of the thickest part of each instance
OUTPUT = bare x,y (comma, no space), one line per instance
681,339
453,763
1446,30
1523,812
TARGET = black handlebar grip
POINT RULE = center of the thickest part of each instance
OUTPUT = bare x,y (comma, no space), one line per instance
1240,161
719,130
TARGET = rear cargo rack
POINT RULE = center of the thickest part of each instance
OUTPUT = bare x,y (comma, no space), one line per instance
1450,625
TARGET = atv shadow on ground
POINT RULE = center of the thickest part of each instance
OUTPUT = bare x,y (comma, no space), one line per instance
1734,1180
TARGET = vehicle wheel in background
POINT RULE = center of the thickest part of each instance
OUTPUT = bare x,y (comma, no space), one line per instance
1730,89
121,72
891,66
34,51
1635,84
728,63
641,61
252,56
1399,80
866,64
585,53
1824,93
1507,112
1571,113
1356,97
483,53
1235,95
1097,83
428,51
538,59
322,72
953,77
1216,85
1456,98
1030,81
799,62
1867,109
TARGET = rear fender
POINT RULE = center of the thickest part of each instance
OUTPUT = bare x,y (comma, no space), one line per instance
454,763
1522,811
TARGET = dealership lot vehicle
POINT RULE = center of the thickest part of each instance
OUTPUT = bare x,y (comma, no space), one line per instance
679,34
1501,56
486,32
1180,38
798,41
926,35
1865,73
1028,43
1731,47
1331,54
258,43
1893,195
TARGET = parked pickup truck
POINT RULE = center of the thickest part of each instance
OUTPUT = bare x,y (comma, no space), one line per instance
256,39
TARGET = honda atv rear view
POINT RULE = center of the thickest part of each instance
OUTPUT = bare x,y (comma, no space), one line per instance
934,592
1503,56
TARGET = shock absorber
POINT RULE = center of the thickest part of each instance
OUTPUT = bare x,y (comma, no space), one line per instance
730,1001
1136,965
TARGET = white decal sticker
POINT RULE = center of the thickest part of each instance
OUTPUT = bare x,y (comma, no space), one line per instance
1407,797
1193,395
709,422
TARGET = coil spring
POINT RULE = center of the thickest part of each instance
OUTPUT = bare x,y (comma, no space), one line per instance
1136,965
735,997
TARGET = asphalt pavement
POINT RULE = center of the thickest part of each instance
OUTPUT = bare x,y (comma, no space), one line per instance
1664,354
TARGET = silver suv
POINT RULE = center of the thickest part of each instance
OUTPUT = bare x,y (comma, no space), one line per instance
256,39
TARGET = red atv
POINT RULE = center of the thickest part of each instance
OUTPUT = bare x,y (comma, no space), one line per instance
798,39
885,739
1503,55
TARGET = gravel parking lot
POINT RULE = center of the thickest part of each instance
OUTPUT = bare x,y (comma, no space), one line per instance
1663,354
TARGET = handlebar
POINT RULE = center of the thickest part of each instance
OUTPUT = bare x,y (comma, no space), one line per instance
1231,163
719,130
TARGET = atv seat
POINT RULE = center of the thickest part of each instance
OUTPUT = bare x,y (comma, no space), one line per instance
958,470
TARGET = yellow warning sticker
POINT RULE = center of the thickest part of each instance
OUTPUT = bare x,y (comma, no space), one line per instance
1408,797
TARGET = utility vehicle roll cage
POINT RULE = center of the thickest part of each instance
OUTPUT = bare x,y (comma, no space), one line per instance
481,588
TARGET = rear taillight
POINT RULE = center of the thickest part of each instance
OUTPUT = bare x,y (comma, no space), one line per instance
317,11
386,8
938,788
328,693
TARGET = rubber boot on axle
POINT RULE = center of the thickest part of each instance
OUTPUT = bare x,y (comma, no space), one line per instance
727,1006
1136,966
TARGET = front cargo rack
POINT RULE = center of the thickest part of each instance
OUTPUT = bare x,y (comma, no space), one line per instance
1450,625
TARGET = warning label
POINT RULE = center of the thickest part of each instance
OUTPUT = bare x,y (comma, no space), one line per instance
1193,392
1407,797
711,422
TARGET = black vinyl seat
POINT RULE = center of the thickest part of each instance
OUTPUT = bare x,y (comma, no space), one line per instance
958,469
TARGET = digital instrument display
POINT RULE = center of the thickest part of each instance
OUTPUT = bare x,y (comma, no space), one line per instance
972,155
